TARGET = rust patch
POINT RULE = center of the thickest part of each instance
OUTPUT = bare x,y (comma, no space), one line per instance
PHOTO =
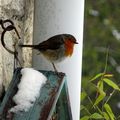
5,114
47,107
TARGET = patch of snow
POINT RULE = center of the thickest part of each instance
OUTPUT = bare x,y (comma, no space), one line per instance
28,89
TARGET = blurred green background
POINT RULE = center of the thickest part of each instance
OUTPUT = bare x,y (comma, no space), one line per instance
101,30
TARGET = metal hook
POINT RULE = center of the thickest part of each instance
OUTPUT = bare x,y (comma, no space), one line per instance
2,22
5,29
2,39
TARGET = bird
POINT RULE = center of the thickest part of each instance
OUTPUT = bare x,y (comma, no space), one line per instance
56,48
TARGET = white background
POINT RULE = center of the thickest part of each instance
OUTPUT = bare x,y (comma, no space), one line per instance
61,16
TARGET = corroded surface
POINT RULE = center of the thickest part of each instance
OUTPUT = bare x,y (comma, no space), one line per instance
44,106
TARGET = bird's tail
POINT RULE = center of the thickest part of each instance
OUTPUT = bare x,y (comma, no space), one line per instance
31,46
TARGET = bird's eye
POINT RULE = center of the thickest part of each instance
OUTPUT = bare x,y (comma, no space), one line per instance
71,40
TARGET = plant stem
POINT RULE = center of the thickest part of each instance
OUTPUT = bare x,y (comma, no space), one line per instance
106,60
109,96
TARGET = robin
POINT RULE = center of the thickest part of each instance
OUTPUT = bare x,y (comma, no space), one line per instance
56,48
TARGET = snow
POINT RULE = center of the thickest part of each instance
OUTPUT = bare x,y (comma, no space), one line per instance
28,89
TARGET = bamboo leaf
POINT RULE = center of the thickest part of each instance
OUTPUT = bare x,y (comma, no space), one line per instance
96,116
97,76
106,116
109,111
82,107
108,75
111,84
85,118
100,97
100,85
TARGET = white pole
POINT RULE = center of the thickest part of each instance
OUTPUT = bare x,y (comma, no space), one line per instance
62,16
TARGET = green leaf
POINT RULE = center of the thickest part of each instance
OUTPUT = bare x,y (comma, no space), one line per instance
100,85
96,116
106,116
82,107
85,118
109,111
100,97
97,76
83,95
111,83
108,75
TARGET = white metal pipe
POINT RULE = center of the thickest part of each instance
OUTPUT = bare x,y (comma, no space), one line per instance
61,16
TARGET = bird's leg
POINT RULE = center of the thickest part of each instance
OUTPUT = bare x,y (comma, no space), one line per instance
54,68
57,73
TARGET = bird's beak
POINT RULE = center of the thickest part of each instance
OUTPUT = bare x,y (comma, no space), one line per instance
76,42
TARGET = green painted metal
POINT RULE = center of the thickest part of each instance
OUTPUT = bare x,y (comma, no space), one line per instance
63,105
45,106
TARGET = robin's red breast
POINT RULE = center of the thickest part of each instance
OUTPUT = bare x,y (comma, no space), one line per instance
56,48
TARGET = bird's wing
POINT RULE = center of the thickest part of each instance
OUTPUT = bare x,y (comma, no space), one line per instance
52,43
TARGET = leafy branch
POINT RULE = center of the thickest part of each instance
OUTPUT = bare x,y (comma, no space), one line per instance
100,107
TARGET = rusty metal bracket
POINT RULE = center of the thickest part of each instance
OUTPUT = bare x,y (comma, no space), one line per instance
10,27
6,28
